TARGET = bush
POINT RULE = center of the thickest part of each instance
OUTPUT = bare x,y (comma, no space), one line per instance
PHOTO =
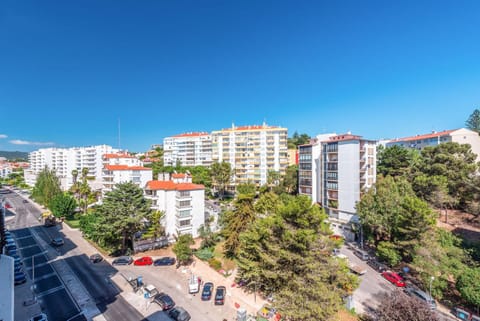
204,254
215,264
386,252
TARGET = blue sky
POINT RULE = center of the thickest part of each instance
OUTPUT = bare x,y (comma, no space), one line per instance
381,69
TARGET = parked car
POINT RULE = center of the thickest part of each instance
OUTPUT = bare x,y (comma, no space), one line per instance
20,278
144,260
422,296
363,255
164,261
39,317
220,295
164,301
207,291
179,314
96,258
122,260
393,278
377,266
58,241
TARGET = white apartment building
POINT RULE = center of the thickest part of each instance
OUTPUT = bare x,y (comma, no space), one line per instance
121,168
335,170
182,201
461,136
252,151
65,160
190,149
5,169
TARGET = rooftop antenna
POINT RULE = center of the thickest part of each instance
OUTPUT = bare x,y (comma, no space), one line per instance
119,133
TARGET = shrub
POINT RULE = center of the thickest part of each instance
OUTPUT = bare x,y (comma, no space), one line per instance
215,264
204,254
386,252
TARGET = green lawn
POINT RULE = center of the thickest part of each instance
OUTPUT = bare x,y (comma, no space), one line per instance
73,223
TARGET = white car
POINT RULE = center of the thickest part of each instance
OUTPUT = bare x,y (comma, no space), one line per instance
39,317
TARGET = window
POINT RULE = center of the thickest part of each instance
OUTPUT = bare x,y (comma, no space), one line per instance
185,223
186,213
184,203
184,193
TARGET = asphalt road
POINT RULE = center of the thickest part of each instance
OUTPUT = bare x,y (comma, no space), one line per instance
49,287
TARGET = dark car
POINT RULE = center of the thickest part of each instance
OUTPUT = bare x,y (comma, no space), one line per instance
20,278
179,314
164,261
123,260
220,295
58,241
95,258
207,291
377,266
164,301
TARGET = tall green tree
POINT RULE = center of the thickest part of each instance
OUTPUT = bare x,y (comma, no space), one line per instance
287,254
122,214
290,180
395,160
46,187
267,203
221,176
182,248
155,228
239,219
473,121
468,283
63,205
297,139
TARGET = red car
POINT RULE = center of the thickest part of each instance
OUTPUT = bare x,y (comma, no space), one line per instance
393,278
145,260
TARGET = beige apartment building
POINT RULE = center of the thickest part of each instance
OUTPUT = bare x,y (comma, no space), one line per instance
252,151
190,149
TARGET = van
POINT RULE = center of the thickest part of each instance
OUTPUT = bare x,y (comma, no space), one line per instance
363,255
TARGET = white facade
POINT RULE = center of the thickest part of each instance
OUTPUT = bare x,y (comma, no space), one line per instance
6,290
5,170
252,151
190,149
65,160
461,136
182,202
334,171
122,168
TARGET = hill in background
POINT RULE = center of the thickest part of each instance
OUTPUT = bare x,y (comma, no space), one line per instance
14,155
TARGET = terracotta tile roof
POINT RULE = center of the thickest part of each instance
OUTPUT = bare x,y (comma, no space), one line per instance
180,175
107,156
126,168
171,186
193,134
251,127
343,137
424,136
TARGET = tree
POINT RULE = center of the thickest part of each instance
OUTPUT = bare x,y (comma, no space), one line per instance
46,187
469,286
63,205
397,306
473,121
208,237
182,248
267,203
273,179
290,180
297,139
287,253
156,228
395,160
239,219
122,213
221,175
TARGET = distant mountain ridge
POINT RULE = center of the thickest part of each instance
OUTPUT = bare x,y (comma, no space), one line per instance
14,155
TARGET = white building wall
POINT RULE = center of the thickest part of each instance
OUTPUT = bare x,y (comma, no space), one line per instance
6,289
348,178
198,210
466,136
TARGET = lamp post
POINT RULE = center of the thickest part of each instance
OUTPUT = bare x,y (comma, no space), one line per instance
431,280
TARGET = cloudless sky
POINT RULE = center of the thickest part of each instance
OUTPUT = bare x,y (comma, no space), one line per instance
69,70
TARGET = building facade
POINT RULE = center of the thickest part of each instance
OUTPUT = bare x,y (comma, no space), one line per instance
252,151
335,170
122,168
182,202
190,149
461,136
65,160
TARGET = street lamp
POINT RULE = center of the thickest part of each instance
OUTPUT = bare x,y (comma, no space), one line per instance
431,280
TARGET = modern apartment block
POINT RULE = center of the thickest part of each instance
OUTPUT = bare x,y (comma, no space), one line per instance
461,136
182,201
121,168
65,160
190,149
335,170
252,151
